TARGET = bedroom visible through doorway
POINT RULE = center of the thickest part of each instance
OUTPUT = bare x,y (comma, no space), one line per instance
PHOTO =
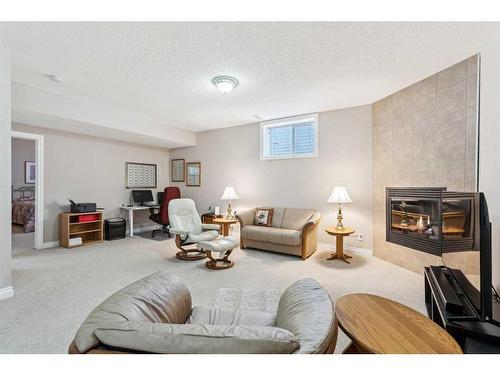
27,158
23,193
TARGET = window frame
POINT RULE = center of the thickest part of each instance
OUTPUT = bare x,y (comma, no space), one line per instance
287,121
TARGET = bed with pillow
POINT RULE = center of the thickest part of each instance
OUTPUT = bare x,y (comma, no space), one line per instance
23,213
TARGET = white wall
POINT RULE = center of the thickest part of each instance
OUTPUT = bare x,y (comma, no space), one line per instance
489,146
5,181
91,169
231,156
22,150
32,105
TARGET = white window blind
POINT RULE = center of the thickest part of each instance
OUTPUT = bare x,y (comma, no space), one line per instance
304,138
288,138
280,140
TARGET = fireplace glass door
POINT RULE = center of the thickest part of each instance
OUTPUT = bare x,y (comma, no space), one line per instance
416,217
457,220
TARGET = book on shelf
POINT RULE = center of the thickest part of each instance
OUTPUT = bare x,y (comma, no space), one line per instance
75,241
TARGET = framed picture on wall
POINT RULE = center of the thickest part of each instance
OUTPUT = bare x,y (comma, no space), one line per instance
178,170
29,172
140,176
193,174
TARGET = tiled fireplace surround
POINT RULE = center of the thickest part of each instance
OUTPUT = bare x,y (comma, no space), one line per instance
424,135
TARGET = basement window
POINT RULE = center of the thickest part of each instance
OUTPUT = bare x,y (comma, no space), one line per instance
292,137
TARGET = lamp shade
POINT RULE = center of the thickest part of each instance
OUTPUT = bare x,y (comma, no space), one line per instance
339,195
229,194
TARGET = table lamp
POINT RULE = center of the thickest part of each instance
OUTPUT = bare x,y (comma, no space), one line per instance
229,195
339,195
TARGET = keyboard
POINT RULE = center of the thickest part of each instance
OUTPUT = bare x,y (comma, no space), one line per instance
150,204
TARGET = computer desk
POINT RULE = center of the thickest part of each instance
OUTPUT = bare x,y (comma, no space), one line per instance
131,210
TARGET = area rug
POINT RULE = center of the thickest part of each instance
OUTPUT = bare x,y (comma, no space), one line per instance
248,299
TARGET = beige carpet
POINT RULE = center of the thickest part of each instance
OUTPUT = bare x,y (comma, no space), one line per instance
22,241
56,288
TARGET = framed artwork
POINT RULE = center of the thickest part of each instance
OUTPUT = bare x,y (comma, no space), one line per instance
193,174
29,172
140,176
178,170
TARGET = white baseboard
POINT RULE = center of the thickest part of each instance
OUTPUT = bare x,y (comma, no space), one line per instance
7,292
50,244
355,249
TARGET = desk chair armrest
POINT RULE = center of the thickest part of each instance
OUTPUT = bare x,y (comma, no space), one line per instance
210,227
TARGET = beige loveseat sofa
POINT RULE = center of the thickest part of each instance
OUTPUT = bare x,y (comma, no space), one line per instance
293,231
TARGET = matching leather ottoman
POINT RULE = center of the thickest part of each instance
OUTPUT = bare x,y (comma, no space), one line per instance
222,247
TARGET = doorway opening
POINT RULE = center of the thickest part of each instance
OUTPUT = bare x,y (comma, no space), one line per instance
27,191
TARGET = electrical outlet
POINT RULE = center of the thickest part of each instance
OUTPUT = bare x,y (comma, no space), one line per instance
360,237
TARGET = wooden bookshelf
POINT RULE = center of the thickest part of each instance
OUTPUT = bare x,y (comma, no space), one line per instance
70,226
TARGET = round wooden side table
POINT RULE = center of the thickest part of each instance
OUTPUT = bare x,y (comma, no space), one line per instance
379,325
225,224
339,242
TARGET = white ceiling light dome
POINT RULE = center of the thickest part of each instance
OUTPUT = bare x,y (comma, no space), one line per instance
225,84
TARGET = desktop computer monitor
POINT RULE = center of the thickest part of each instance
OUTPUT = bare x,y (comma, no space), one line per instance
142,196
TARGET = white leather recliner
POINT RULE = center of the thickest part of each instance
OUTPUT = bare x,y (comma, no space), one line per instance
186,224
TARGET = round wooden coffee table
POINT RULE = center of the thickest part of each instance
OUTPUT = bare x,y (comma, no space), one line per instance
225,224
379,325
339,242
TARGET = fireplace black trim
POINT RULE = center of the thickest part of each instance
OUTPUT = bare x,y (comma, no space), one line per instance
437,195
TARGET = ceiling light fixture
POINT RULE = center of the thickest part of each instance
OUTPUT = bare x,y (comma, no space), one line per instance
225,83
54,78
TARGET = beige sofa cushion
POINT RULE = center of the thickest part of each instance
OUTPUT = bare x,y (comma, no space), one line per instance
278,216
230,317
197,338
296,218
270,234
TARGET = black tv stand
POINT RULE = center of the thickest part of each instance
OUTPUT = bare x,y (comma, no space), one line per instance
449,293
449,307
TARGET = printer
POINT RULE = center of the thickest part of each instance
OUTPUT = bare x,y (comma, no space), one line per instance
82,207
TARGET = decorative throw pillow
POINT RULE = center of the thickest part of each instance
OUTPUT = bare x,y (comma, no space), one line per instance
263,216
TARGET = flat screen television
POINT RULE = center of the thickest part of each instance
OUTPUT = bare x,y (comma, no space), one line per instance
471,268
